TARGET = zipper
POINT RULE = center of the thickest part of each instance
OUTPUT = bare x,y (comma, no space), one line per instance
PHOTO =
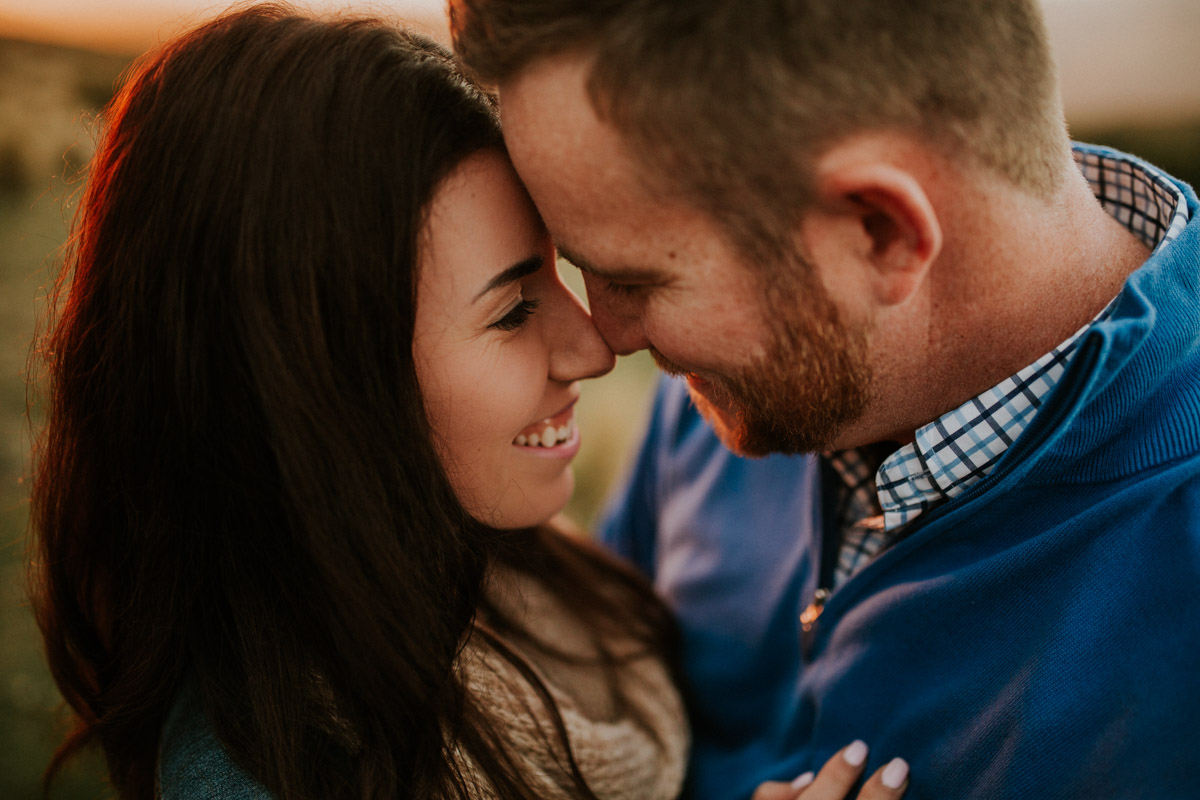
1085,354
809,616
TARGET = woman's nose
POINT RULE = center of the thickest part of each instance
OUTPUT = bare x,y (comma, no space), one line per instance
577,350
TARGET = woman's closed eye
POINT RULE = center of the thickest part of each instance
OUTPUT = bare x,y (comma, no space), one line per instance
517,316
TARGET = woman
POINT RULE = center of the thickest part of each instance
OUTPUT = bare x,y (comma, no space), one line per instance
310,413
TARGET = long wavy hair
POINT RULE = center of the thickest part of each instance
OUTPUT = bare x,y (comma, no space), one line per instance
235,488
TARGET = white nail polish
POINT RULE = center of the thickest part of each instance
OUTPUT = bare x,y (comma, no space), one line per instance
856,753
803,780
895,773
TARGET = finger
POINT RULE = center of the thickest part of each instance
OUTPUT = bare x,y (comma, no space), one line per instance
773,790
888,783
840,773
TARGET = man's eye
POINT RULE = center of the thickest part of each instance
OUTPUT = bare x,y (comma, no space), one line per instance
624,289
514,319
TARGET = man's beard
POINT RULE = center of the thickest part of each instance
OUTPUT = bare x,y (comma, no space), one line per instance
812,382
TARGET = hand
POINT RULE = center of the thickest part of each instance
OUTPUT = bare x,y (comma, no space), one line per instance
838,777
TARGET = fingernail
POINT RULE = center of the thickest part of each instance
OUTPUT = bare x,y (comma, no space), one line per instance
895,773
803,780
856,753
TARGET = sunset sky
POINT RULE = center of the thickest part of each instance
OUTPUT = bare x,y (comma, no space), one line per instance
133,25
1119,58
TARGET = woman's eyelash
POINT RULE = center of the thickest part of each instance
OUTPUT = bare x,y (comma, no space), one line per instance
514,319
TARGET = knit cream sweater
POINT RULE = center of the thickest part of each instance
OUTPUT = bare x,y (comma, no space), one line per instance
621,755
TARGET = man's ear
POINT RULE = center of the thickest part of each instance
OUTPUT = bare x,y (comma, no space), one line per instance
890,219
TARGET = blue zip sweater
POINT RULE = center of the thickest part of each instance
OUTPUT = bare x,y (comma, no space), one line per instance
1037,637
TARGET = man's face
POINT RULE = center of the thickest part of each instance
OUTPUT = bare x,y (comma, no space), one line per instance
767,358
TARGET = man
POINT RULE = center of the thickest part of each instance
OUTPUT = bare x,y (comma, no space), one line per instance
859,231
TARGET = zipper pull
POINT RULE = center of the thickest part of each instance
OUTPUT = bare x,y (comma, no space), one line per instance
809,616
808,622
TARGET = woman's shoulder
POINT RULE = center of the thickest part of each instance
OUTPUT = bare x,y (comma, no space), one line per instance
192,763
630,742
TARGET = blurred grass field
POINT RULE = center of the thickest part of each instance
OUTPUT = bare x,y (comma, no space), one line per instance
31,227
47,96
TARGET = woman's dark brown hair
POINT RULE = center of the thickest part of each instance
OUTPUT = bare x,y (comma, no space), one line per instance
235,488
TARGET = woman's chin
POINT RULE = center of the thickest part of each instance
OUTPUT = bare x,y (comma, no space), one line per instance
527,506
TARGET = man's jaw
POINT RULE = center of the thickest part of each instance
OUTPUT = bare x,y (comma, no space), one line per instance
667,365
703,390
749,421
717,406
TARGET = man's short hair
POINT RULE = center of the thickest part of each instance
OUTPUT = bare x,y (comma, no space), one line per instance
731,101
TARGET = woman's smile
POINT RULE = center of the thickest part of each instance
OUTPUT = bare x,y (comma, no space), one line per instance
556,435
500,345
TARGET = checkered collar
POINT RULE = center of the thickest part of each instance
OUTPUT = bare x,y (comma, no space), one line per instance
959,448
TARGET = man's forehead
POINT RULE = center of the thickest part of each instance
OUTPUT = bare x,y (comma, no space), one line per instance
547,101
560,76
555,136
587,186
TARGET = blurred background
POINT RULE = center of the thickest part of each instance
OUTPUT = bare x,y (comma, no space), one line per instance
1128,70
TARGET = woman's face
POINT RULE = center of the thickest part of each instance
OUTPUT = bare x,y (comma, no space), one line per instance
500,345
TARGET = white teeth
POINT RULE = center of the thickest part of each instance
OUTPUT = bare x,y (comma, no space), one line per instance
548,436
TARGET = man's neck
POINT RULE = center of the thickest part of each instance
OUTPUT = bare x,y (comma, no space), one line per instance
1017,277
1041,270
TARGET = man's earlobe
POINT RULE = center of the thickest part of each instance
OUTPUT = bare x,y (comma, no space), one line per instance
902,234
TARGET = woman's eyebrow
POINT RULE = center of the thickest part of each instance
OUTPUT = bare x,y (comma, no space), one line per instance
517,271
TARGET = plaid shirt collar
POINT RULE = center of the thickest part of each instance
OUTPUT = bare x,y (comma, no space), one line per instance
961,447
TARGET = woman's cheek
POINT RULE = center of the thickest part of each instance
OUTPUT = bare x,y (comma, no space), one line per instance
516,390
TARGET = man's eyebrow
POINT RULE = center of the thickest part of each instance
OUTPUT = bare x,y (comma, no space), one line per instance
617,274
517,271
